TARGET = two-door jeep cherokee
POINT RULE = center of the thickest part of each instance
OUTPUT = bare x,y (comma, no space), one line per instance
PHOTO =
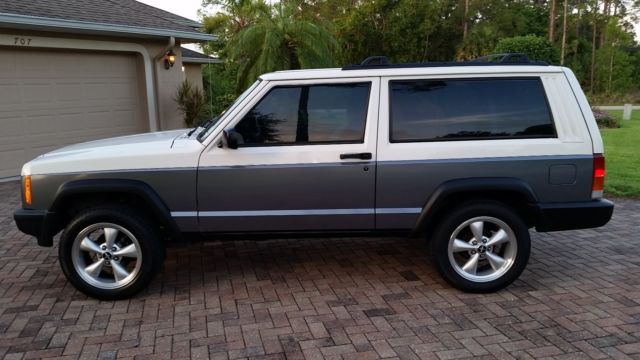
468,155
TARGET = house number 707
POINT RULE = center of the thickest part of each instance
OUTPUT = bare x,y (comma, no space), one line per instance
22,41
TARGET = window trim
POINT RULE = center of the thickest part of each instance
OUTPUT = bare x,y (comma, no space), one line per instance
537,78
338,142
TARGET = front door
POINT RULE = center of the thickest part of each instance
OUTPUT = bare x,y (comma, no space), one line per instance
305,162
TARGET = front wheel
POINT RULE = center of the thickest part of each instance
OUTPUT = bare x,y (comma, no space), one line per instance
110,252
481,247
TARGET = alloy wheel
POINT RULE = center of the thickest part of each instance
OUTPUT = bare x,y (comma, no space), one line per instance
482,249
106,256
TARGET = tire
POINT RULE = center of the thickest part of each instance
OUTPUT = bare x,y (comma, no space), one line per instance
499,259
134,259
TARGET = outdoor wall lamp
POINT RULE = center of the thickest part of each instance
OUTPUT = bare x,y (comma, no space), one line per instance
169,59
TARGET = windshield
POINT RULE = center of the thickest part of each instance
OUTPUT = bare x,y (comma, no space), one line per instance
210,125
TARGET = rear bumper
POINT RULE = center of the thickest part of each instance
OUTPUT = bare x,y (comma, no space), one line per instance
570,216
39,223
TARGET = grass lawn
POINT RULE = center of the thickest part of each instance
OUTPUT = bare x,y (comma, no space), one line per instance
622,153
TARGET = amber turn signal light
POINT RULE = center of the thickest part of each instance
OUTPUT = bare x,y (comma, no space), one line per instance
26,183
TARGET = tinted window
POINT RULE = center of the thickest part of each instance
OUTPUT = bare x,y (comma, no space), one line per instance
428,110
307,115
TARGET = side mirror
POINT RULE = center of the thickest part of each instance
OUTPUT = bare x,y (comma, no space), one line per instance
233,138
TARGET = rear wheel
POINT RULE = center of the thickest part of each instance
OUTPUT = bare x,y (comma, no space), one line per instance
481,246
110,252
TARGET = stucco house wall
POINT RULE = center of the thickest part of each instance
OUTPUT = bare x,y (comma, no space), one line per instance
193,73
70,79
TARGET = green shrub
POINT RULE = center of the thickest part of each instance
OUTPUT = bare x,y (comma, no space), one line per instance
605,120
536,47
192,102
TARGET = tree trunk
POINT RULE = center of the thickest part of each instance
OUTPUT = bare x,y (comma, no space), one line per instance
593,49
302,129
552,20
610,71
578,18
605,11
465,25
564,33
578,21
426,49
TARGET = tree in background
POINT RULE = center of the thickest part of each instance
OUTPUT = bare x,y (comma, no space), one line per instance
563,45
552,20
536,47
614,69
220,81
235,17
401,30
280,40
592,37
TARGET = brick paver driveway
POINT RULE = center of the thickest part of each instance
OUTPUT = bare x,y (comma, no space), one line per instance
330,298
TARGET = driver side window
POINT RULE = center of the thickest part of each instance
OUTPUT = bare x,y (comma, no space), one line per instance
310,114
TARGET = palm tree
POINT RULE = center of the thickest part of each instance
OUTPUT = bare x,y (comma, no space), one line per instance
237,15
281,41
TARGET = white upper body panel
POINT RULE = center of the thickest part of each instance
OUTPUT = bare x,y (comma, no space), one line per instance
337,73
166,149
585,110
572,134
577,132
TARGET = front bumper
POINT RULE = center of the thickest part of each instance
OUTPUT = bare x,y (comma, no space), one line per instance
39,223
570,216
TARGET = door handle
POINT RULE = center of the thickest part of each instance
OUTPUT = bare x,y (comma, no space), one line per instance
361,156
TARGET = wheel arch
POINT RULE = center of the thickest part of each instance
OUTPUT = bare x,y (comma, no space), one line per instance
511,191
77,194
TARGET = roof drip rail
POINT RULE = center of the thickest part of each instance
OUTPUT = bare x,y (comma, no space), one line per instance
378,62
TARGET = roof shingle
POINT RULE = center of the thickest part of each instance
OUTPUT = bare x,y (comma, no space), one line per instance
106,12
190,56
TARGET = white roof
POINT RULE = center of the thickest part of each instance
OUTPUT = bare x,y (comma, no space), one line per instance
408,71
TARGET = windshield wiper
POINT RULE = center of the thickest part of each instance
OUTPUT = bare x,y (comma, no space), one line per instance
204,125
207,124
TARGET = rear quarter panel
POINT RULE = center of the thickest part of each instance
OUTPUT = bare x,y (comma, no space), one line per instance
409,173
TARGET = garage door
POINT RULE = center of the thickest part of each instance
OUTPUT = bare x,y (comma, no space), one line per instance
52,99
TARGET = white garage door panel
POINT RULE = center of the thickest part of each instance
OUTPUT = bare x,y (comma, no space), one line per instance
51,99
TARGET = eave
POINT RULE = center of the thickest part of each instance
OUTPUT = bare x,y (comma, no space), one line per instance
86,27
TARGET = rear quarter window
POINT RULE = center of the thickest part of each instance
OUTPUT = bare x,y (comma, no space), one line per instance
469,109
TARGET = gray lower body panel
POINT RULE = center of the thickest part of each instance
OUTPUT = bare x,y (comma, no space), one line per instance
176,188
321,197
410,184
318,197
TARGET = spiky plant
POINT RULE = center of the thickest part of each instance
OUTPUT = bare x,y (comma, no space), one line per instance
192,102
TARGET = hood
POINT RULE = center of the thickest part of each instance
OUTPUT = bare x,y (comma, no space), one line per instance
142,151
161,140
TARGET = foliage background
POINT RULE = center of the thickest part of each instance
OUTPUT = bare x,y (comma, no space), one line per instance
593,37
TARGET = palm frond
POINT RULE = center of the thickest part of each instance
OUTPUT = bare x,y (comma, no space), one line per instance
279,41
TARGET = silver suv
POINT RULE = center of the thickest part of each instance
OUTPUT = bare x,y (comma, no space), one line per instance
468,156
